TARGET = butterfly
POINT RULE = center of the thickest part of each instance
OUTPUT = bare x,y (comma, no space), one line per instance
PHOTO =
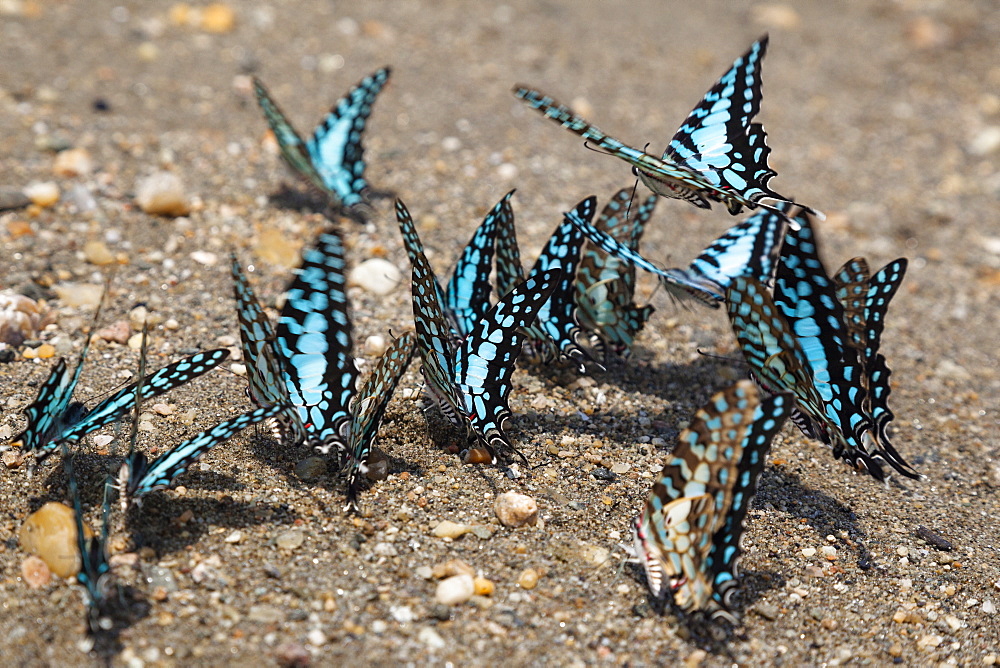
95,571
605,285
138,476
313,342
750,247
333,158
718,155
556,329
688,535
865,299
369,407
470,380
53,419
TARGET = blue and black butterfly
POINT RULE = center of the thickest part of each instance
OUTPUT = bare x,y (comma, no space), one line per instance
53,419
332,159
369,407
718,155
95,571
748,248
865,299
470,382
688,535
605,285
556,330
138,476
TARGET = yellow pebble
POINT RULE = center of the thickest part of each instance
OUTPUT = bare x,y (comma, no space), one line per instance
218,18
483,587
528,579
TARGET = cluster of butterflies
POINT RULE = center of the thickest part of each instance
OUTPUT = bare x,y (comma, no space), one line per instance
811,340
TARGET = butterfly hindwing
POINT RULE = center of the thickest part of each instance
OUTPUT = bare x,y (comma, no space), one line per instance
372,401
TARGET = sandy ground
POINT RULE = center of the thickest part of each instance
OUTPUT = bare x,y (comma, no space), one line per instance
883,115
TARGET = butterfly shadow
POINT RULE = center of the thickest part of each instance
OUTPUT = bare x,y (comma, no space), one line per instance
314,200
668,381
782,490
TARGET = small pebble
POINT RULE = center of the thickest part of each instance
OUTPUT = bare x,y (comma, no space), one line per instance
595,554
483,587
477,456
375,345
50,533
117,332
402,613
431,638
234,537
378,627
456,589
11,459
96,252
35,572
602,473
516,510
929,641
290,540
377,275
989,607
316,638
42,194
986,141
78,294
73,162
449,529
933,539
206,258
767,611
293,655
162,194
218,18
45,351
621,467
453,567
829,552
265,614
528,579
809,552
311,468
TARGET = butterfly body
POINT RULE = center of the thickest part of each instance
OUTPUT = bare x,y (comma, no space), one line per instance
332,159
688,535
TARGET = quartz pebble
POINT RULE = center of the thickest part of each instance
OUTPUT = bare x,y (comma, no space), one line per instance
78,294
290,540
234,537
50,533
162,194
21,318
375,345
516,510
456,589
377,275
431,638
35,572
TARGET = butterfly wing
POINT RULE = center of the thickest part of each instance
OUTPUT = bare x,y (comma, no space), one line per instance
467,297
851,286
373,399
485,362
336,149
719,141
722,562
691,514
143,477
314,342
557,316
434,337
95,571
293,149
163,380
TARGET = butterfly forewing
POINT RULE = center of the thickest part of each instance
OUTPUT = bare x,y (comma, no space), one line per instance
335,148
467,297
313,337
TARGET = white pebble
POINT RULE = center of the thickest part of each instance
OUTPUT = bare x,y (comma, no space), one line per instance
986,141
377,276
375,345
507,171
809,552
402,613
316,638
456,589
42,194
379,627
430,637
206,258
234,537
